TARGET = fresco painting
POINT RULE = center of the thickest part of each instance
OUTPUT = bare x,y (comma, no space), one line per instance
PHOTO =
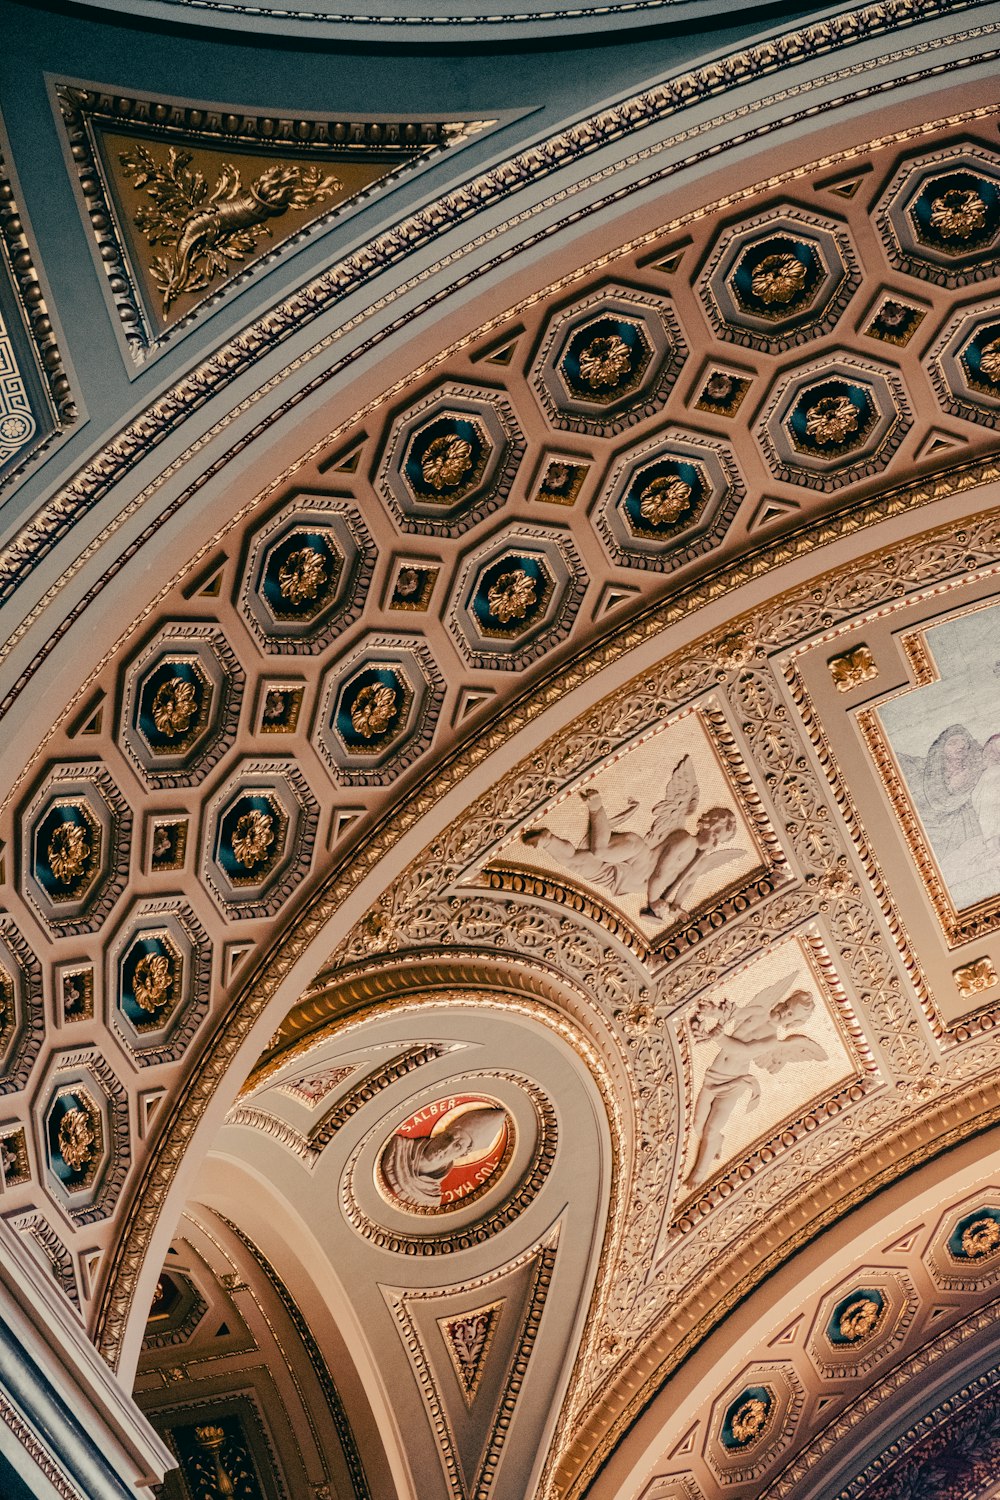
945,739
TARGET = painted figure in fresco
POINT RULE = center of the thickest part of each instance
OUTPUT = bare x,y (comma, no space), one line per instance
755,1035
956,789
415,1167
663,863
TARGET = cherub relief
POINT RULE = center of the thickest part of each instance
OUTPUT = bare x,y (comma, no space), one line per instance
756,1035
661,864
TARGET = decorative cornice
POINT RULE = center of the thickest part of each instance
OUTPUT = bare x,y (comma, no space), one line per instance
529,167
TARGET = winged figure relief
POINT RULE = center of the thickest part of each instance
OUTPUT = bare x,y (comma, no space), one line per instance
761,1034
662,864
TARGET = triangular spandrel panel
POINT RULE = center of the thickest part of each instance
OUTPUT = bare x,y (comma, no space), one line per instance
184,201
471,1395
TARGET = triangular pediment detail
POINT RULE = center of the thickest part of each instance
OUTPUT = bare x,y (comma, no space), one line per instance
469,1346
185,201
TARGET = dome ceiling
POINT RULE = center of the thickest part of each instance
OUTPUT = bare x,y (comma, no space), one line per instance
501,853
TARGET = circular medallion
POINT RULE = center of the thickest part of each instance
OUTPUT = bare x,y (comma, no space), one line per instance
446,1154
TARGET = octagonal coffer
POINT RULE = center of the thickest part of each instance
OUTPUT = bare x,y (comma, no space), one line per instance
834,421
450,459
181,704
965,365
158,978
608,359
378,709
669,500
307,573
261,830
516,597
75,840
779,279
940,215
81,1119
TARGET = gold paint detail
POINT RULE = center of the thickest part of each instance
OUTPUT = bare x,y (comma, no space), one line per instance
958,214
605,362
852,668
68,853
373,709
446,462
302,575
779,278
174,705
831,419
211,231
989,361
981,1238
253,837
860,1320
77,1138
153,981
749,1421
512,595
973,978
664,500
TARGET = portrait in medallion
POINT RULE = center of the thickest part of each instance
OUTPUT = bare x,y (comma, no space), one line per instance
657,833
937,747
446,1154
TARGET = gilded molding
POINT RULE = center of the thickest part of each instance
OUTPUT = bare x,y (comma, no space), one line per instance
19,260
18,560
38,1451
81,107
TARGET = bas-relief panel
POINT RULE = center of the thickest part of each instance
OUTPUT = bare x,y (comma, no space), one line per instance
937,745
763,1046
656,833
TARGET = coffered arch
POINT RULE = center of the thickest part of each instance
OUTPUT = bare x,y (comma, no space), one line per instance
543,600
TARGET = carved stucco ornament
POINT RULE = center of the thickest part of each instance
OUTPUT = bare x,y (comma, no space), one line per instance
302,575
68,853
958,214
210,231
174,705
981,1238
153,980
989,360
664,500
512,595
859,1320
373,709
77,1139
447,460
749,1421
779,278
852,668
253,837
605,361
832,419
